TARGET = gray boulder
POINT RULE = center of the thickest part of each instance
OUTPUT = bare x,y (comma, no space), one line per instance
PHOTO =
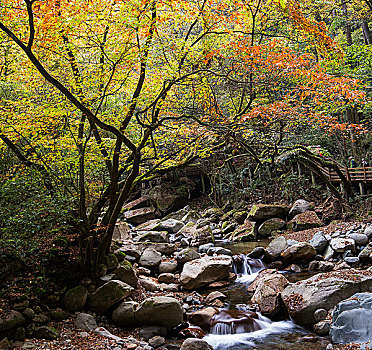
12,320
340,245
150,258
323,291
186,255
126,273
205,247
298,252
75,298
139,216
298,207
160,311
304,221
200,272
270,226
124,314
170,225
86,322
319,242
265,211
195,344
351,320
359,238
167,267
108,295
219,251
368,231
154,236
276,247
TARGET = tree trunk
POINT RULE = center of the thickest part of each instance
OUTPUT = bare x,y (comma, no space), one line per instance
366,33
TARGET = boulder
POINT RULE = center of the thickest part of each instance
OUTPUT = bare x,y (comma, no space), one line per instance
121,232
153,236
45,332
138,203
304,221
162,248
202,236
108,295
75,298
351,320
319,242
169,225
166,278
260,212
267,288
186,255
365,255
244,233
195,344
200,272
149,283
213,211
302,251
368,231
139,216
203,318
126,273
276,247
12,320
160,311
86,322
169,198
149,332
298,207
124,314
359,238
323,291
205,247
268,300
192,216
150,258
219,251
167,267
270,226
340,245
188,230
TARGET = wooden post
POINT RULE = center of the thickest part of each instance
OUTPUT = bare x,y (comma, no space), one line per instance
203,183
361,188
299,169
313,178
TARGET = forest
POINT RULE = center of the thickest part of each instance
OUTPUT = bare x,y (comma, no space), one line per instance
185,174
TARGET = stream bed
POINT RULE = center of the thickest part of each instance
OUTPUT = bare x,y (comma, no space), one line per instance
271,335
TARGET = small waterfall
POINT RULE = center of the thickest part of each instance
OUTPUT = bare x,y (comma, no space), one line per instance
241,329
247,268
237,322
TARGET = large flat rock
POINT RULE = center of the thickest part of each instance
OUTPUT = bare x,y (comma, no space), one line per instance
323,291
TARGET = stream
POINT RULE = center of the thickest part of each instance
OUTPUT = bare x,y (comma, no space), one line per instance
240,328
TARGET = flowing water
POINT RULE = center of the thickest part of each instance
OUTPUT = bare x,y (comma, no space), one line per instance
238,328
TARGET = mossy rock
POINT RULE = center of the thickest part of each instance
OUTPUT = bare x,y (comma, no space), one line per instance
261,212
111,261
75,298
108,295
270,226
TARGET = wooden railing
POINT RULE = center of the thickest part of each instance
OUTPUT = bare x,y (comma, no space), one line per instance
360,174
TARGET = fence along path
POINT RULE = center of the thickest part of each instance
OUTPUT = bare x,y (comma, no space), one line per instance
360,174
